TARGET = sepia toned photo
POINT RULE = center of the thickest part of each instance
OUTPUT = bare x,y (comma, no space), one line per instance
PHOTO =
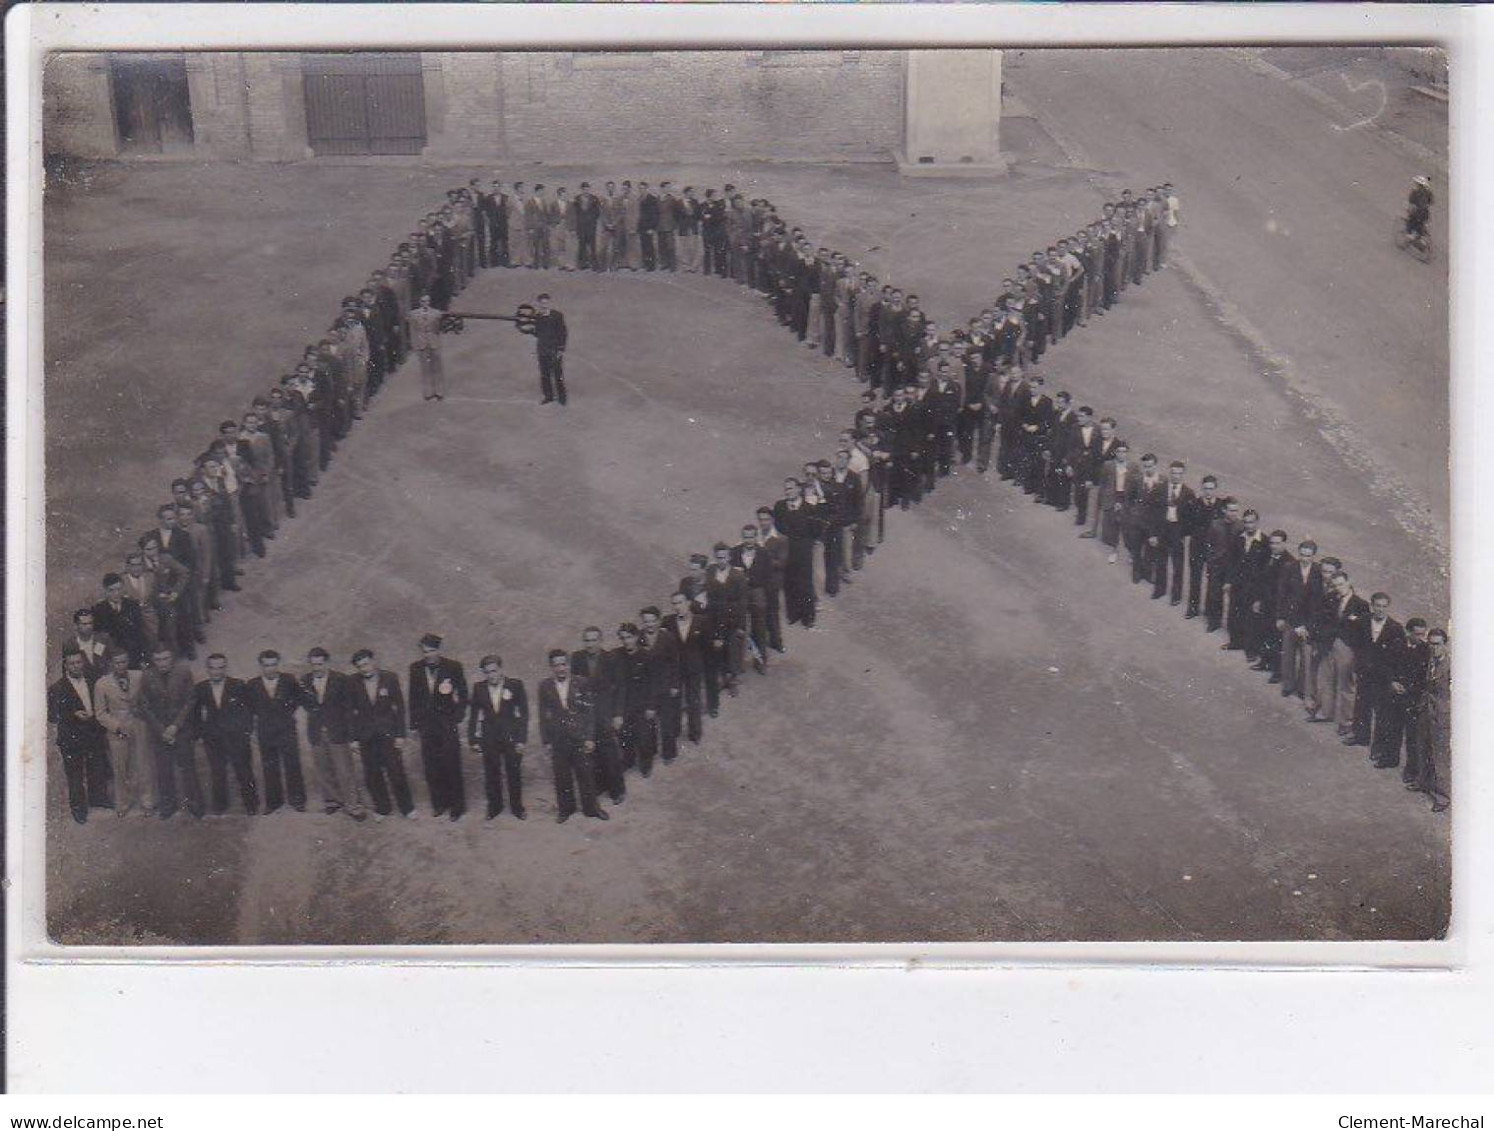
747,496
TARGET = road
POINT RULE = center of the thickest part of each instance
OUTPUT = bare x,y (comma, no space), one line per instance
1289,206
995,736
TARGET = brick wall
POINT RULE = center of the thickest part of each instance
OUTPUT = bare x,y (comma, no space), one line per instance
77,112
822,106
816,106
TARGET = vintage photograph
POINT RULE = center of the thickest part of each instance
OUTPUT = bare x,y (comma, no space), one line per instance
781,496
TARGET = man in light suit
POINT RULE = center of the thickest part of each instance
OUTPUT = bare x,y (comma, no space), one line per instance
165,703
567,728
326,699
115,695
438,703
1115,493
498,730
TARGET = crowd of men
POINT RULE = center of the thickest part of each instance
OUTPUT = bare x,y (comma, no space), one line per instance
129,716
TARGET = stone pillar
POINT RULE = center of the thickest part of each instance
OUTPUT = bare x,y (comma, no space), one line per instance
951,114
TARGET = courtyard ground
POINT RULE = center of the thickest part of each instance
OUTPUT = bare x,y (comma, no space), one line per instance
994,736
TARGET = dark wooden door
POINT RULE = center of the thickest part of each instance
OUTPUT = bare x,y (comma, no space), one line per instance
152,106
364,103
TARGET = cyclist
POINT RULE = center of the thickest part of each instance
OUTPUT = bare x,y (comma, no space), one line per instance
1419,207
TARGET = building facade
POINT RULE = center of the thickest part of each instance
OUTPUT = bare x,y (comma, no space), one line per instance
522,107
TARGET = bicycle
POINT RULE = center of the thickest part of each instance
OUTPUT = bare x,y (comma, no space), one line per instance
1418,244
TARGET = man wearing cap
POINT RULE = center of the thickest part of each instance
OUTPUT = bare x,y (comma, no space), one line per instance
438,702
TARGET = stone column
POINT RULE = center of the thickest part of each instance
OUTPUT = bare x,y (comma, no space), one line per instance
951,114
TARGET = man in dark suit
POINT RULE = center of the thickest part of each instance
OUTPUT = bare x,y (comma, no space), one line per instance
1379,695
1268,637
567,729
376,730
498,729
274,699
726,593
1219,552
1248,557
550,341
495,218
1056,479
593,663
94,647
691,633
588,209
1339,625
1299,588
1144,507
1034,416
1085,462
648,226
81,739
943,402
635,700
664,653
1197,518
776,548
797,523
120,618
326,697
757,568
438,702
1169,524
223,719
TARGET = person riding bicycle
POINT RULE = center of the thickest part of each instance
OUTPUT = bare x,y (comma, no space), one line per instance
1419,207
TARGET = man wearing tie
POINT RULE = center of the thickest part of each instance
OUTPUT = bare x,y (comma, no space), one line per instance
1298,589
1338,630
1144,509
550,341
593,663
1247,562
757,568
726,594
93,646
438,703
121,619
115,696
80,739
1379,697
588,210
1086,464
325,696
223,719
377,733
663,652
691,632
1172,531
568,727
274,699
498,730
776,547
165,703
1197,519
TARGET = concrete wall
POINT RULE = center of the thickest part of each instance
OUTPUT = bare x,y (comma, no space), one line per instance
815,106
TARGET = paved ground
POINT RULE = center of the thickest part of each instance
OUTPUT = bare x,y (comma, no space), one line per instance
994,736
